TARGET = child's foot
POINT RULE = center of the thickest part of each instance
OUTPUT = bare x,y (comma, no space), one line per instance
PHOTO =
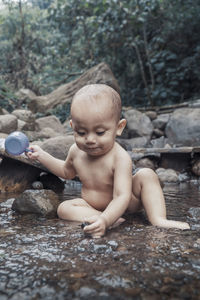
172,224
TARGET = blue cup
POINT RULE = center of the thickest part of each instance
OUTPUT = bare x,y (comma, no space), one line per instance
16,143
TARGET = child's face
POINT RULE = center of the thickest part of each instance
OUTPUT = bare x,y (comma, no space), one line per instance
95,127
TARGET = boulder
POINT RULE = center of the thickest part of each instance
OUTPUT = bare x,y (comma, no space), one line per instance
167,175
145,163
58,146
46,133
49,122
138,124
183,128
42,202
27,117
151,114
8,123
161,121
63,94
137,142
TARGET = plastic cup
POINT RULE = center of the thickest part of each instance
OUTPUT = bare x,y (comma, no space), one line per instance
16,143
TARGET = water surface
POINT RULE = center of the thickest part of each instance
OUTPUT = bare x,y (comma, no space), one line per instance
51,259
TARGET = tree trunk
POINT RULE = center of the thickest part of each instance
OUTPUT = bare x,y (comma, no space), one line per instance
63,94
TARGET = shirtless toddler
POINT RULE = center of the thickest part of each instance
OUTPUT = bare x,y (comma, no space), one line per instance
104,167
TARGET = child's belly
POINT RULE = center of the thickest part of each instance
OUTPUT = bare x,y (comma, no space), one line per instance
97,199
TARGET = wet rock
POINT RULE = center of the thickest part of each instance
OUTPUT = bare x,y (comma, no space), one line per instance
183,177
101,248
113,244
37,185
167,175
194,212
43,202
196,167
145,163
86,292
112,280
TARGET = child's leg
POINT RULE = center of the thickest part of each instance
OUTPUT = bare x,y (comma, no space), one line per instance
147,192
79,210
76,210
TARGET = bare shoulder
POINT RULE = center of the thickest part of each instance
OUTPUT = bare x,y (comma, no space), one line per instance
121,155
73,150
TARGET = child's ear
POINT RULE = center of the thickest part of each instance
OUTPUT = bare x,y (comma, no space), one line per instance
121,126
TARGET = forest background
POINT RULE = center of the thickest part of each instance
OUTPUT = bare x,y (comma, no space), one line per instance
152,47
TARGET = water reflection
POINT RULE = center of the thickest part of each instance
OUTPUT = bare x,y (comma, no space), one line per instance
51,259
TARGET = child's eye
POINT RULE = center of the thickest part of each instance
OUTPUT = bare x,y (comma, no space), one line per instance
81,133
100,132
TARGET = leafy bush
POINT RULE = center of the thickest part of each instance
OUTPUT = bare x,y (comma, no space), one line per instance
152,47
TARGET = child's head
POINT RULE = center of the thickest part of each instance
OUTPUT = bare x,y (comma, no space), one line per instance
95,112
102,96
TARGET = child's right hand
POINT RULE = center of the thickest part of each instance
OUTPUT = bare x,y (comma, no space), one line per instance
35,152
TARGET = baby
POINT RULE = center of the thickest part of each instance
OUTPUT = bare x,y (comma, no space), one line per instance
104,167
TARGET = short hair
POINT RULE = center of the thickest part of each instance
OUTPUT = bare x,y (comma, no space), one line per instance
93,91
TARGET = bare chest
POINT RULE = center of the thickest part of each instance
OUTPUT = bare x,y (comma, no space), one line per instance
95,173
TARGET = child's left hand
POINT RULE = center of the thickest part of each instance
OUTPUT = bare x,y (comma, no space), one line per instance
97,226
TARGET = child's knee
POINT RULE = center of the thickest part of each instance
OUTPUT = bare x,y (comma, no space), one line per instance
63,210
60,210
146,174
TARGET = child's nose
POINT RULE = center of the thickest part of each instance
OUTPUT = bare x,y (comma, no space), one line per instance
90,138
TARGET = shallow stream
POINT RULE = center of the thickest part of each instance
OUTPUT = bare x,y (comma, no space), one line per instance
51,259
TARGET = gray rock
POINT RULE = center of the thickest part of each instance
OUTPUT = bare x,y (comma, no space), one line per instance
167,175
49,122
138,124
159,142
138,142
27,116
58,146
145,163
183,128
151,114
194,212
42,202
196,167
8,123
161,121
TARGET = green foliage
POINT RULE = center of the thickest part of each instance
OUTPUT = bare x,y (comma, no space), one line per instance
62,112
8,100
152,47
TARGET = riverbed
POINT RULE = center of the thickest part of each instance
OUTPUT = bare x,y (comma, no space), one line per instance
44,258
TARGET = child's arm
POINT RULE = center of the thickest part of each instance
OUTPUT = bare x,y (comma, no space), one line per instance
122,192
57,166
